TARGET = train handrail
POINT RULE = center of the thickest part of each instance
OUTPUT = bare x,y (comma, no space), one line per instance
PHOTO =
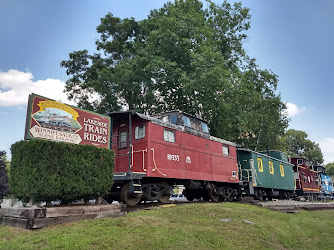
138,151
156,168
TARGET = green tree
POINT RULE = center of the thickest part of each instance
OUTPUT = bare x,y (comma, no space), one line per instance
296,144
330,168
184,56
6,161
4,185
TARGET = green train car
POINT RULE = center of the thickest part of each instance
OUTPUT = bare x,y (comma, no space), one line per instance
265,176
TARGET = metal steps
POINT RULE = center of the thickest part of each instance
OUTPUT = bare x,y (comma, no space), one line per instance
135,187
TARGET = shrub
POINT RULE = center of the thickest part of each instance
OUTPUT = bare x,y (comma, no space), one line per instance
46,170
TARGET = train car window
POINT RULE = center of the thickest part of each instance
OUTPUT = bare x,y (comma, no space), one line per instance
271,167
186,121
299,161
122,140
281,167
259,164
173,119
169,135
140,132
226,150
205,127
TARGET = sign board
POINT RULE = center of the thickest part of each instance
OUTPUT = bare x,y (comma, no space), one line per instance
51,120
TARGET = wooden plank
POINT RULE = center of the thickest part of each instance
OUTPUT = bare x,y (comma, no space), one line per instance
16,222
15,217
27,213
48,221
80,210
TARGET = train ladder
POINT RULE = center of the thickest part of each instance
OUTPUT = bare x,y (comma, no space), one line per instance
135,187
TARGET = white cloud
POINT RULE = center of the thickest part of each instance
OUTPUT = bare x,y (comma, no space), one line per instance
292,109
327,148
17,85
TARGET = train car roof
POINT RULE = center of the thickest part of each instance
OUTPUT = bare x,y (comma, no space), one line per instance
124,114
180,112
268,156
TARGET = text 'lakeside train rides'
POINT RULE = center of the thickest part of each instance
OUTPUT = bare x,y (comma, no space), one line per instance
154,153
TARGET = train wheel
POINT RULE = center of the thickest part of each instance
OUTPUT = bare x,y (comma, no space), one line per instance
127,198
314,197
164,198
228,194
213,196
259,195
230,198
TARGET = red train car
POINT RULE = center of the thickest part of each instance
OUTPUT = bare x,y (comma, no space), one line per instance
306,179
154,153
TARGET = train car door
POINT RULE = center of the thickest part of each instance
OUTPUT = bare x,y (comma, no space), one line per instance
122,148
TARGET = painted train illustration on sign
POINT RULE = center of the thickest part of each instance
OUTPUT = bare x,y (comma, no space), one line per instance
56,119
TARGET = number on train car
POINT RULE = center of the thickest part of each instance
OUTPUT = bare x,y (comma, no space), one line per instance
171,157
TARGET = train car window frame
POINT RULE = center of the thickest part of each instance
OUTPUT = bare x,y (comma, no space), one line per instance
140,132
260,164
169,135
299,161
226,150
205,127
281,167
186,121
271,167
122,144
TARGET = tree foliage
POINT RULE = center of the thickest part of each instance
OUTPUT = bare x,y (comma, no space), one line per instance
185,56
330,168
4,186
296,144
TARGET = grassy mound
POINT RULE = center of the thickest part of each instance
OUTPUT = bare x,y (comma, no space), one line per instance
190,226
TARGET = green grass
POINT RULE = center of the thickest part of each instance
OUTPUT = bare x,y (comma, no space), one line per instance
190,226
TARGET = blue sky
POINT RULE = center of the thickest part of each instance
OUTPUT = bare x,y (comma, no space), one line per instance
292,38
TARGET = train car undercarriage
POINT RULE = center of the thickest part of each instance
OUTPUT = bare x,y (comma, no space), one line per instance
150,189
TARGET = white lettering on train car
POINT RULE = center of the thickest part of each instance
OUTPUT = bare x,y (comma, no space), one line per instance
171,157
